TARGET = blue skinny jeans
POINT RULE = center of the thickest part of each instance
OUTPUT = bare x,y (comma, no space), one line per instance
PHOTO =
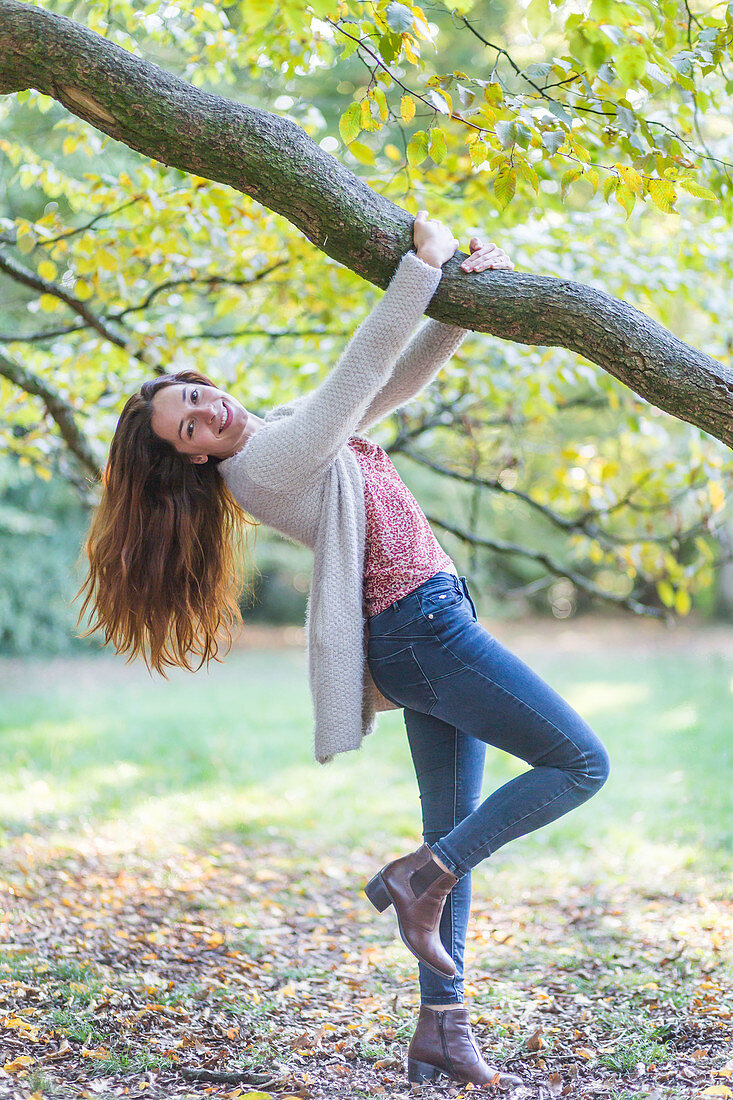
462,690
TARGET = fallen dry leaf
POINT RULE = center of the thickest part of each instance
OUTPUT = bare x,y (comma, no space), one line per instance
535,1040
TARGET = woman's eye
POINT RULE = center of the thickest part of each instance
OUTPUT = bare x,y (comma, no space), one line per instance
194,396
189,429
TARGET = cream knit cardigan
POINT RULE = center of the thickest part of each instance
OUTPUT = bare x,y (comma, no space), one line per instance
297,475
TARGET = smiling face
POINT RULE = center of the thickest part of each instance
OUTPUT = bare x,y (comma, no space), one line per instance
200,421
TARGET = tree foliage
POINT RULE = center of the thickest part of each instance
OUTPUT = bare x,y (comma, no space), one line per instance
592,141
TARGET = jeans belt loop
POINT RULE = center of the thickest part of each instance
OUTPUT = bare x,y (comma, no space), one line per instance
467,594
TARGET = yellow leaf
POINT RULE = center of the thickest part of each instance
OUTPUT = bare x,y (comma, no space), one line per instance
717,495
82,290
407,43
107,260
362,152
407,108
682,604
381,100
662,194
19,1064
48,303
716,1090
595,553
47,270
665,592
631,178
586,1052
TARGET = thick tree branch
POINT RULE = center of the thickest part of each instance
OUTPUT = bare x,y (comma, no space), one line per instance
58,408
273,160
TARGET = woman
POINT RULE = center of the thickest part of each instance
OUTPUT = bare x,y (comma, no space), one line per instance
387,616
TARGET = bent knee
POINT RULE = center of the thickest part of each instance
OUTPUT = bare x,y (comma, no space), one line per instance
598,767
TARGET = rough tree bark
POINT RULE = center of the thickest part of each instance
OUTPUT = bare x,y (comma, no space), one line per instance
273,160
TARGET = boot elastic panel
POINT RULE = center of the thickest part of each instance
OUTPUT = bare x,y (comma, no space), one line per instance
425,876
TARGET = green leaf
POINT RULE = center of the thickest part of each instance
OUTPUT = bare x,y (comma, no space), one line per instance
630,64
417,148
505,185
552,140
609,186
437,147
694,188
625,197
478,152
399,17
559,111
569,177
528,172
350,123
505,130
537,15
626,119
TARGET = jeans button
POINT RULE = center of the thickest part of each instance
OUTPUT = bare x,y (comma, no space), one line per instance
430,615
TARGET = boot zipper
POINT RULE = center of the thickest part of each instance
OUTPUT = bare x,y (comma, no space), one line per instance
446,1055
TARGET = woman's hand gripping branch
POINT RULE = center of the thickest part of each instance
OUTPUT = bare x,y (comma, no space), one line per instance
435,243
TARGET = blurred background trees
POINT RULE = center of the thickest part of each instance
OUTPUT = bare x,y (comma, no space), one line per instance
592,142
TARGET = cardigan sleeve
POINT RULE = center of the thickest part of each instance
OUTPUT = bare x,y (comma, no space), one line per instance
291,450
430,348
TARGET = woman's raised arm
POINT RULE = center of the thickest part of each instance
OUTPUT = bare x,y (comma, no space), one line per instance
293,448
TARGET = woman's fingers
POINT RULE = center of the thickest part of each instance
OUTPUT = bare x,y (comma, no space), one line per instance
484,257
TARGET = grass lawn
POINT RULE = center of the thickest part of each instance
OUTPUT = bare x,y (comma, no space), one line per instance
185,888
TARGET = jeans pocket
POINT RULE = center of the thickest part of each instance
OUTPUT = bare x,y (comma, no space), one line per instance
435,602
400,677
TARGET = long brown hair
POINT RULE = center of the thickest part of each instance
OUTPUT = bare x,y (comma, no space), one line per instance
163,545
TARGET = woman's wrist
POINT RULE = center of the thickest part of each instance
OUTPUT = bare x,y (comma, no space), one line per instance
429,256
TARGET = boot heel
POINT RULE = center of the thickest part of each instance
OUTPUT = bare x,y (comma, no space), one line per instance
376,891
417,1072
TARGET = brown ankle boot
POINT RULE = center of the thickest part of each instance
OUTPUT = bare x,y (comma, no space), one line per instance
417,886
444,1043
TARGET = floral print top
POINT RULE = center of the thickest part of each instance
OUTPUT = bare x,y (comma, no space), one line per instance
401,550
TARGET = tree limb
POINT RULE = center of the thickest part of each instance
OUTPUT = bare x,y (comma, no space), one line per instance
23,275
58,408
585,523
502,547
275,162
